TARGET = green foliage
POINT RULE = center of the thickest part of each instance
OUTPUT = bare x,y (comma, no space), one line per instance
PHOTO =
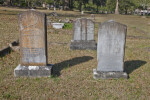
90,7
9,96
143,3
1,1
23,4
126,6
6,96
110,4
49,1
99,3
80,4
67,26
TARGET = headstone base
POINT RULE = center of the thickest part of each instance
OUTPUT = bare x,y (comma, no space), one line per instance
109,75
32,71
83,45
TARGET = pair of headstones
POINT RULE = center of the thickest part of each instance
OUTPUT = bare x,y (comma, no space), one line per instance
83,35
33,46
110,49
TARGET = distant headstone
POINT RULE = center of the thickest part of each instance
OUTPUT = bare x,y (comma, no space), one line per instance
110,50
61,8
44,5
82,12
54,8
48,6
83,34
33,45
92,16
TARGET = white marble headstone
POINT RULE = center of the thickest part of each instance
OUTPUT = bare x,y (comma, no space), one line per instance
111,46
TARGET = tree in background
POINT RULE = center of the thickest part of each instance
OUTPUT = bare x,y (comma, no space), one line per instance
99,3
71,4
110,4
81,3
49,1
143,3
113,6
117,7
126,6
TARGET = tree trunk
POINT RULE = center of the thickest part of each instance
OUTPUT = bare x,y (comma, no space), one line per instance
97,9
117,7
70,4
80,7
11,3
126,11
63,4
28,4
147,11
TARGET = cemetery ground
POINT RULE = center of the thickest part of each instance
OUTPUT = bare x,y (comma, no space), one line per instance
72,77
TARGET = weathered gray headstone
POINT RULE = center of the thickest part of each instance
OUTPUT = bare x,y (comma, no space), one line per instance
93,17
110,50
83,34
33,45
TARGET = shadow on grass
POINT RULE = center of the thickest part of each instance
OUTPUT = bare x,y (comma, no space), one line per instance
69,63
130,66
5,51
7,14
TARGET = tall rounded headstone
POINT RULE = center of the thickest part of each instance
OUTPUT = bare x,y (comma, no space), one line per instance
33,45
110,50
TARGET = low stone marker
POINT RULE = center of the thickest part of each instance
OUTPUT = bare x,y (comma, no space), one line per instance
93,17
57,25
110,51
33,45
83,35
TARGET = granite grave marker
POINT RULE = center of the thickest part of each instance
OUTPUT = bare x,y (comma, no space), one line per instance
83,34
33,45
110,51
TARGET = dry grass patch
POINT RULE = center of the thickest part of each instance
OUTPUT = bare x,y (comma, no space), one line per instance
73,70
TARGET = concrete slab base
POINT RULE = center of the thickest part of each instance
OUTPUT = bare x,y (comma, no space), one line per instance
83,45
32,71
109,75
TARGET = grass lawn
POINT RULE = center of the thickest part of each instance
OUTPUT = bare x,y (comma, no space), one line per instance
73,70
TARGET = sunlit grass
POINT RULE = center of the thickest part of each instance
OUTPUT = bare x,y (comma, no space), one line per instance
73,70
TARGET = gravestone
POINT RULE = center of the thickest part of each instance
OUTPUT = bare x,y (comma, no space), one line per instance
110,51
33,45
83,35
93,17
